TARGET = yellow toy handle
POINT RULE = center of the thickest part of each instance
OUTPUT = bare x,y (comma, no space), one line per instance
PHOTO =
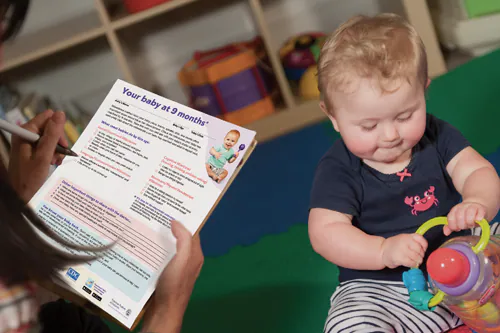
480,246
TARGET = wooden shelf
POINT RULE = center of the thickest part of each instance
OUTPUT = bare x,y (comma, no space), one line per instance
122,19
288,120
48,41
104,22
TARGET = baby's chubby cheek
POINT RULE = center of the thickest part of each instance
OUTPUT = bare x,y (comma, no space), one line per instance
413,134
361,147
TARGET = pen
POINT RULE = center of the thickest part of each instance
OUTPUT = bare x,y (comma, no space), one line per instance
31,137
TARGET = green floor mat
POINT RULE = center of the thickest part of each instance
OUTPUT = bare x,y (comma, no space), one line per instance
277,285
469,98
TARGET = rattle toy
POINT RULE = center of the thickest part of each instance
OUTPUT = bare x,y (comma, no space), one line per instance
464,274
240,148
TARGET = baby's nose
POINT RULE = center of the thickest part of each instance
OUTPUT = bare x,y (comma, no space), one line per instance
390,133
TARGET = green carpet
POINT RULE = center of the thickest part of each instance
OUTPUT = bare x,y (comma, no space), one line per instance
469,98
279,284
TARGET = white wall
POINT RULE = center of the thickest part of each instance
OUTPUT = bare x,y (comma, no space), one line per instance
158,52
43,13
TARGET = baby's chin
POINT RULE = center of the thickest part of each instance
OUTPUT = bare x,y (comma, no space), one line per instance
382,157
396,157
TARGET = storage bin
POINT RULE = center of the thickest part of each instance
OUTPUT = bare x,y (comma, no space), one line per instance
230,82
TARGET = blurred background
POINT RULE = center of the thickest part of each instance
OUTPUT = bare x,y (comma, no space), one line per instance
70,52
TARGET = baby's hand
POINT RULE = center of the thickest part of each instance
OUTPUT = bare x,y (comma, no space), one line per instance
404,250
236,154
464,216
217,155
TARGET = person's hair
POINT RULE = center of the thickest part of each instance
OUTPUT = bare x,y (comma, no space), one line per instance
235,132
12,13
384,47
25,256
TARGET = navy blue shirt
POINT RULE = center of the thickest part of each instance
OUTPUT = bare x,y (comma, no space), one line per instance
390,204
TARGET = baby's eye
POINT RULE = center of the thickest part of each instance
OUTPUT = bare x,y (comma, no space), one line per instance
368,128
405,118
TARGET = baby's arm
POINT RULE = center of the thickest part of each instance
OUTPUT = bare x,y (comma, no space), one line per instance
215,153
334,237
477,180
233,158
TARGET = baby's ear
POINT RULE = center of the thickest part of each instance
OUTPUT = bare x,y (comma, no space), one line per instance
324,108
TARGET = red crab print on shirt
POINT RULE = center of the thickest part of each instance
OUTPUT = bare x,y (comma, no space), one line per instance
422,204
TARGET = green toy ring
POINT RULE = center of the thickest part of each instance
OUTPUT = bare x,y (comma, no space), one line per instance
480,246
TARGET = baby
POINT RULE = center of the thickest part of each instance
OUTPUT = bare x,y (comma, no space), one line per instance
394,168
221,155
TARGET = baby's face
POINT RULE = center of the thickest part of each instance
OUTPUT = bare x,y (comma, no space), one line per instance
381,128
230,140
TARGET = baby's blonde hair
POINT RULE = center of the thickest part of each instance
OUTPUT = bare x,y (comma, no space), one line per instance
384,47
235,132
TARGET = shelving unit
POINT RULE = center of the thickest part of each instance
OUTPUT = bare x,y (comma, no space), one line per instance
107,20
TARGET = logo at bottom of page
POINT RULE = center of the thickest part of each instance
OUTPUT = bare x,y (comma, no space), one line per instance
73,275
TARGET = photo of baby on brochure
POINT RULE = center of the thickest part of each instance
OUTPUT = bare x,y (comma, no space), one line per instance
222,154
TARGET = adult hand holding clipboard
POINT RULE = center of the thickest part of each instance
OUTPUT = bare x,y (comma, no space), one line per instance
175,284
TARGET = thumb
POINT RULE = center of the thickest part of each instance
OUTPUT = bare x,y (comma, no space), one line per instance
420,240
446,230
184,238
53,131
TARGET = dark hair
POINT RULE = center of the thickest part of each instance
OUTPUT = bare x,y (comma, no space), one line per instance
13,13
24,255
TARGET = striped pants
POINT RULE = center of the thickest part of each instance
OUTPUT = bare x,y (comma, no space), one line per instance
382,306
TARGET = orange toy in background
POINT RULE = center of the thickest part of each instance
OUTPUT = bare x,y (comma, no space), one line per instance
233,82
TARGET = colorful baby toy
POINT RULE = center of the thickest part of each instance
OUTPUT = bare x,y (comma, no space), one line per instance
233,82
241,147
299,56
464,274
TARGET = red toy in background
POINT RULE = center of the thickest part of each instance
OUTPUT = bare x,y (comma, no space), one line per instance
134,6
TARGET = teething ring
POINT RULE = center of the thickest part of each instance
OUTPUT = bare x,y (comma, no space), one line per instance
480,246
